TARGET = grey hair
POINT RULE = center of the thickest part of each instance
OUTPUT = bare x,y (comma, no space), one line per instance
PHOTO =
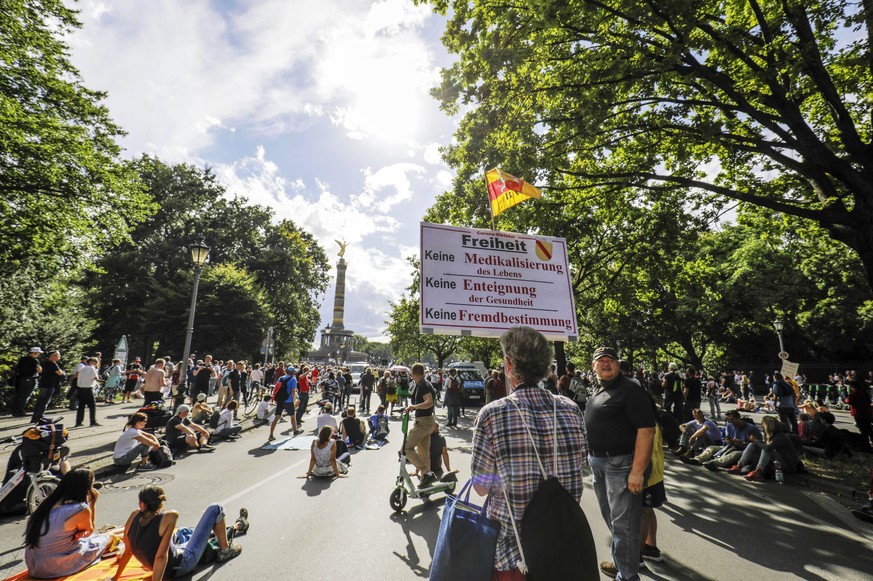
529,353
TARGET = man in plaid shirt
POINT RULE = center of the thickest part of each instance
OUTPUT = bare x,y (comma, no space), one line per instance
503,454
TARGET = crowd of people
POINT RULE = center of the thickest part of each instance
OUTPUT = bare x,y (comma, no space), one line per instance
585,411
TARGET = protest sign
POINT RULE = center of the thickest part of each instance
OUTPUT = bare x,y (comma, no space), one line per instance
482,282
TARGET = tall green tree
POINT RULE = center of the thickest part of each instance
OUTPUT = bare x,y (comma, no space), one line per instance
718,100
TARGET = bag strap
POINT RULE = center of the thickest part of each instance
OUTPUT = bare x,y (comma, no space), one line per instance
522,564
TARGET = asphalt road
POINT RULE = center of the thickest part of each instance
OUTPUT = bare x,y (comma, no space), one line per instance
714,526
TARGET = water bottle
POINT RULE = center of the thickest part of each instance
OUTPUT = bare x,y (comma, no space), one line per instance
780,476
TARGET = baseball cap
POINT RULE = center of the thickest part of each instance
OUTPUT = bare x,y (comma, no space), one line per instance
604,352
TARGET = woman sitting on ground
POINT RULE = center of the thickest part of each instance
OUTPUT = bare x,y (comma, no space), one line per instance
148,535
135,443
226,428
776,446
59,539
322,458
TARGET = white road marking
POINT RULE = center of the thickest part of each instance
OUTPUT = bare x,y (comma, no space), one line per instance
244,492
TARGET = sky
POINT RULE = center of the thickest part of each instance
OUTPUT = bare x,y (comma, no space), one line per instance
319,110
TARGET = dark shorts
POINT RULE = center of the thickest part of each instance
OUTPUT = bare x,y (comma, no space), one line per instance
655,495
178,443
130,385
287,407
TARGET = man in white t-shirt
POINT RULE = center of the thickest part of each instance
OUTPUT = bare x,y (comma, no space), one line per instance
86,380
256,376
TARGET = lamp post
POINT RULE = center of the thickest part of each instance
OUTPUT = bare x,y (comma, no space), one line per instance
779,326
199,254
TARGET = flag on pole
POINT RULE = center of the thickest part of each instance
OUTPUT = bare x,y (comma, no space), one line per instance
506,190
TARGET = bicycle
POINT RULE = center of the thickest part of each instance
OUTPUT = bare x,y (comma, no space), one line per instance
256,395
37,467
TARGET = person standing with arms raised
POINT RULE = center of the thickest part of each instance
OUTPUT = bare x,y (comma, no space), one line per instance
621,429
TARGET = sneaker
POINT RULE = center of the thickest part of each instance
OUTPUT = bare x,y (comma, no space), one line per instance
711,466
609,569
651,553
146,467
271,437
95,424
206,448
229,553
754,476
735,469
427,480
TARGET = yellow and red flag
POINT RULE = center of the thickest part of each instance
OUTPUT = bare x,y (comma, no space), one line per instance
506,190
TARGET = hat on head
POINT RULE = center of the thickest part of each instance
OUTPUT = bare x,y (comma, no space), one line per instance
604,352
201,397
35,350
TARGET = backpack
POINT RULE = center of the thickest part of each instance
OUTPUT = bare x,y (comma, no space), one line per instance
555,539
454,385
213,420
670,431
282,394
382,428
403,388
162,457
578,389
392,387
40,444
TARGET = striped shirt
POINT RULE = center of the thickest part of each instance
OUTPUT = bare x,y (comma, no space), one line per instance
503,455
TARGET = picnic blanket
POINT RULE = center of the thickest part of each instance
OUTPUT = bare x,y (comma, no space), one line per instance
101,570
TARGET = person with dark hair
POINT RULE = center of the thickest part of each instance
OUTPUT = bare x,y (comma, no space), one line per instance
620,422
785,402
505,452
148,535
692,392
322,456
226,427
830,441
134,443
26,372
59,539
418,438
49,383
859,407
776,446
354,429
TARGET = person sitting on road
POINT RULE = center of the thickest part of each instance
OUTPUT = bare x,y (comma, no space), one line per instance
265,411
181,433
830,441
59,539
736,440
439,453
353,429
698,434
135,443
226,427
379,427
149,536
776,446
202,411
323,457
803,427
325,418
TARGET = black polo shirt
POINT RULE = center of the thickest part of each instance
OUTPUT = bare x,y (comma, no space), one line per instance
614,414
49,377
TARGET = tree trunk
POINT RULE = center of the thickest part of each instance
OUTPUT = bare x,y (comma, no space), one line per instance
560,357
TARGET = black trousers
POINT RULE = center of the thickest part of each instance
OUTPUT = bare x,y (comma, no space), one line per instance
86,398
45,396
673,402
23,391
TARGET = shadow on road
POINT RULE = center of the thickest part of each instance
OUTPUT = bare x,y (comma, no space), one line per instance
422,520
755,529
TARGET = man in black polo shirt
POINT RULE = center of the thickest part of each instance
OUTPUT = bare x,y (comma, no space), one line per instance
49,384
419,435
621,429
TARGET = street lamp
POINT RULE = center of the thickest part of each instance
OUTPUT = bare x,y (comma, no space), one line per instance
199,255
779,326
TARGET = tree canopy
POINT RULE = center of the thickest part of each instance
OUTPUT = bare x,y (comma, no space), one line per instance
766,103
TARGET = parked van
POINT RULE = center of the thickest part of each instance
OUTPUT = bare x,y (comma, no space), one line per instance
473,378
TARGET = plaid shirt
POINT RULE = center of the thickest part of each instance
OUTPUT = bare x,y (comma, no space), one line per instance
503,454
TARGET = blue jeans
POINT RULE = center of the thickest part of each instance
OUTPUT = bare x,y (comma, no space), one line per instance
452,413
196,545
621,510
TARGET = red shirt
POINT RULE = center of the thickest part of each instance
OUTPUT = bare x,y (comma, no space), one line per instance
303,383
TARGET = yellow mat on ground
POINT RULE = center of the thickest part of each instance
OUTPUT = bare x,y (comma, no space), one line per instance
101,570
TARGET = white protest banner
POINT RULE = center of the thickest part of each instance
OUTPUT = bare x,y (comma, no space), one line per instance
789,369
483,282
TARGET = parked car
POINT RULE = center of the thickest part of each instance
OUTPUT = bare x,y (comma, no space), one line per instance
474,385
357,370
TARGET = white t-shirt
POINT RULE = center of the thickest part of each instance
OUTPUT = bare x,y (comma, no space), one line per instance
126,442
264,410
225,420
87,376
325,420
257,375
